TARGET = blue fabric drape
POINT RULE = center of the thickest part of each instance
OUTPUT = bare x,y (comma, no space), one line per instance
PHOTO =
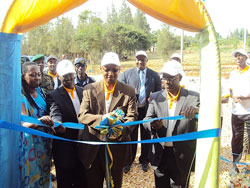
10,107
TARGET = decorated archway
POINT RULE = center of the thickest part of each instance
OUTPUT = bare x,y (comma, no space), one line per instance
19,16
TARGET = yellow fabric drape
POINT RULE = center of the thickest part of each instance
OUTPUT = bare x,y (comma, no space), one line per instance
23,16
184,14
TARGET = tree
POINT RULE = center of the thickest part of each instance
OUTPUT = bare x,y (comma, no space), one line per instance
140,21
125,15
166,41
124,39
62,37
112,17
36,41
89,36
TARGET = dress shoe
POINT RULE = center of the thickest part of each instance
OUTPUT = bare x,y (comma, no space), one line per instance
126,169
144,167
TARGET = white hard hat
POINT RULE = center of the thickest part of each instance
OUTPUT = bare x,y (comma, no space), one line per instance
172,68
241,51
65,67
141,52
176,55
110,58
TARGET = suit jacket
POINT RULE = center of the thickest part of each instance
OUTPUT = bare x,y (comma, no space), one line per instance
183,150
152,81
62,110
91,111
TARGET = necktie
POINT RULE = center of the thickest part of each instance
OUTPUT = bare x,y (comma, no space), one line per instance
142,94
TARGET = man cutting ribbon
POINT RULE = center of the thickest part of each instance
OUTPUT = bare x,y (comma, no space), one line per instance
172,160
99,100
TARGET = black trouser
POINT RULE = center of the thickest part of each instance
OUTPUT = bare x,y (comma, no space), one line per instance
144,136
168,169
96,174
238,124
71,177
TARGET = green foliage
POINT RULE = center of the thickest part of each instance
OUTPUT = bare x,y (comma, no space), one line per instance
112,17
124,39
125,16
37,40
89,36
62,37
140,21
167,42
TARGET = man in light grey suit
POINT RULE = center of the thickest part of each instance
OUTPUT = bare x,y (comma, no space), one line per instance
145,81
172,160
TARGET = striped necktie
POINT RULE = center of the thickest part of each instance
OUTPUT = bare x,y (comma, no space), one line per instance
142,93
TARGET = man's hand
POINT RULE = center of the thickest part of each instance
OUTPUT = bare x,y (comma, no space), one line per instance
47,121
60,129
105,116
190,112
157,124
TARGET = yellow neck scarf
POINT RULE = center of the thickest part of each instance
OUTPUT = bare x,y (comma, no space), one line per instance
172,99
243,70
109,91
53,75
70,91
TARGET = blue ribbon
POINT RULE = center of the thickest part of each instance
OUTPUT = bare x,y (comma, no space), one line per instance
183,137
65,124
224,159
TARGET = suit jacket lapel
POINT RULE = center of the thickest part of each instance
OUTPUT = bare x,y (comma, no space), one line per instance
66,99
136,76
148,75
116,97
165,112
179,104
79,94
100,94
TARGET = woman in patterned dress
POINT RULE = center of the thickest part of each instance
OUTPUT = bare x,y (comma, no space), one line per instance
35,157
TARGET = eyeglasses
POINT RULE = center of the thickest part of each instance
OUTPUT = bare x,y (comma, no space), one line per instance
110,69
170,79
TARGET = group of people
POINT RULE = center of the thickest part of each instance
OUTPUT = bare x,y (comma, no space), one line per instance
65,93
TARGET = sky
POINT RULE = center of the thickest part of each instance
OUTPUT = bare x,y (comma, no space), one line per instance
227,15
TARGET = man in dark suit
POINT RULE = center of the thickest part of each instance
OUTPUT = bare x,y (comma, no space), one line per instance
145,81
99,99
172,160
64,105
